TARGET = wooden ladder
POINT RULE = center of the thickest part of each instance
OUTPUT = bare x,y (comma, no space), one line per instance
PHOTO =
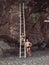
22,50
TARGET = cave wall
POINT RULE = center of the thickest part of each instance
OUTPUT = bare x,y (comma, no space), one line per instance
9,21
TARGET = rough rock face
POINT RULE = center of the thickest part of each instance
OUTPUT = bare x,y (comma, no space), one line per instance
37,30
9,24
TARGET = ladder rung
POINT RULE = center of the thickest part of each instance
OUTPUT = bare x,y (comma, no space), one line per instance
22,56
22,49
22,24
22,53
22,45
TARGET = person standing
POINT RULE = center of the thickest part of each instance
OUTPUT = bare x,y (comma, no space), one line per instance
28,47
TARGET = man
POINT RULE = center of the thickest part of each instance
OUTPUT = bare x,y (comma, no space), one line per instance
28,47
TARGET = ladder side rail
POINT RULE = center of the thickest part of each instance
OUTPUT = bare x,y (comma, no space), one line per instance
24,29
24,18
20,31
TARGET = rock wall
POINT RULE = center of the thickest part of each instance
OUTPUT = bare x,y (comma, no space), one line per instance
36,29
9,24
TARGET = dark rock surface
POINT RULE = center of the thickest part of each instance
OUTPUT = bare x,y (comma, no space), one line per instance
37,31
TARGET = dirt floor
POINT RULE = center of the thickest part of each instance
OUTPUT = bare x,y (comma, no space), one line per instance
40,57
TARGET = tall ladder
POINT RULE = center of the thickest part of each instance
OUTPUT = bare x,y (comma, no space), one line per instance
22,50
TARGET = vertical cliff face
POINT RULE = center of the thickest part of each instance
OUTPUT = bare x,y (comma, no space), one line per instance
9,21
36,29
